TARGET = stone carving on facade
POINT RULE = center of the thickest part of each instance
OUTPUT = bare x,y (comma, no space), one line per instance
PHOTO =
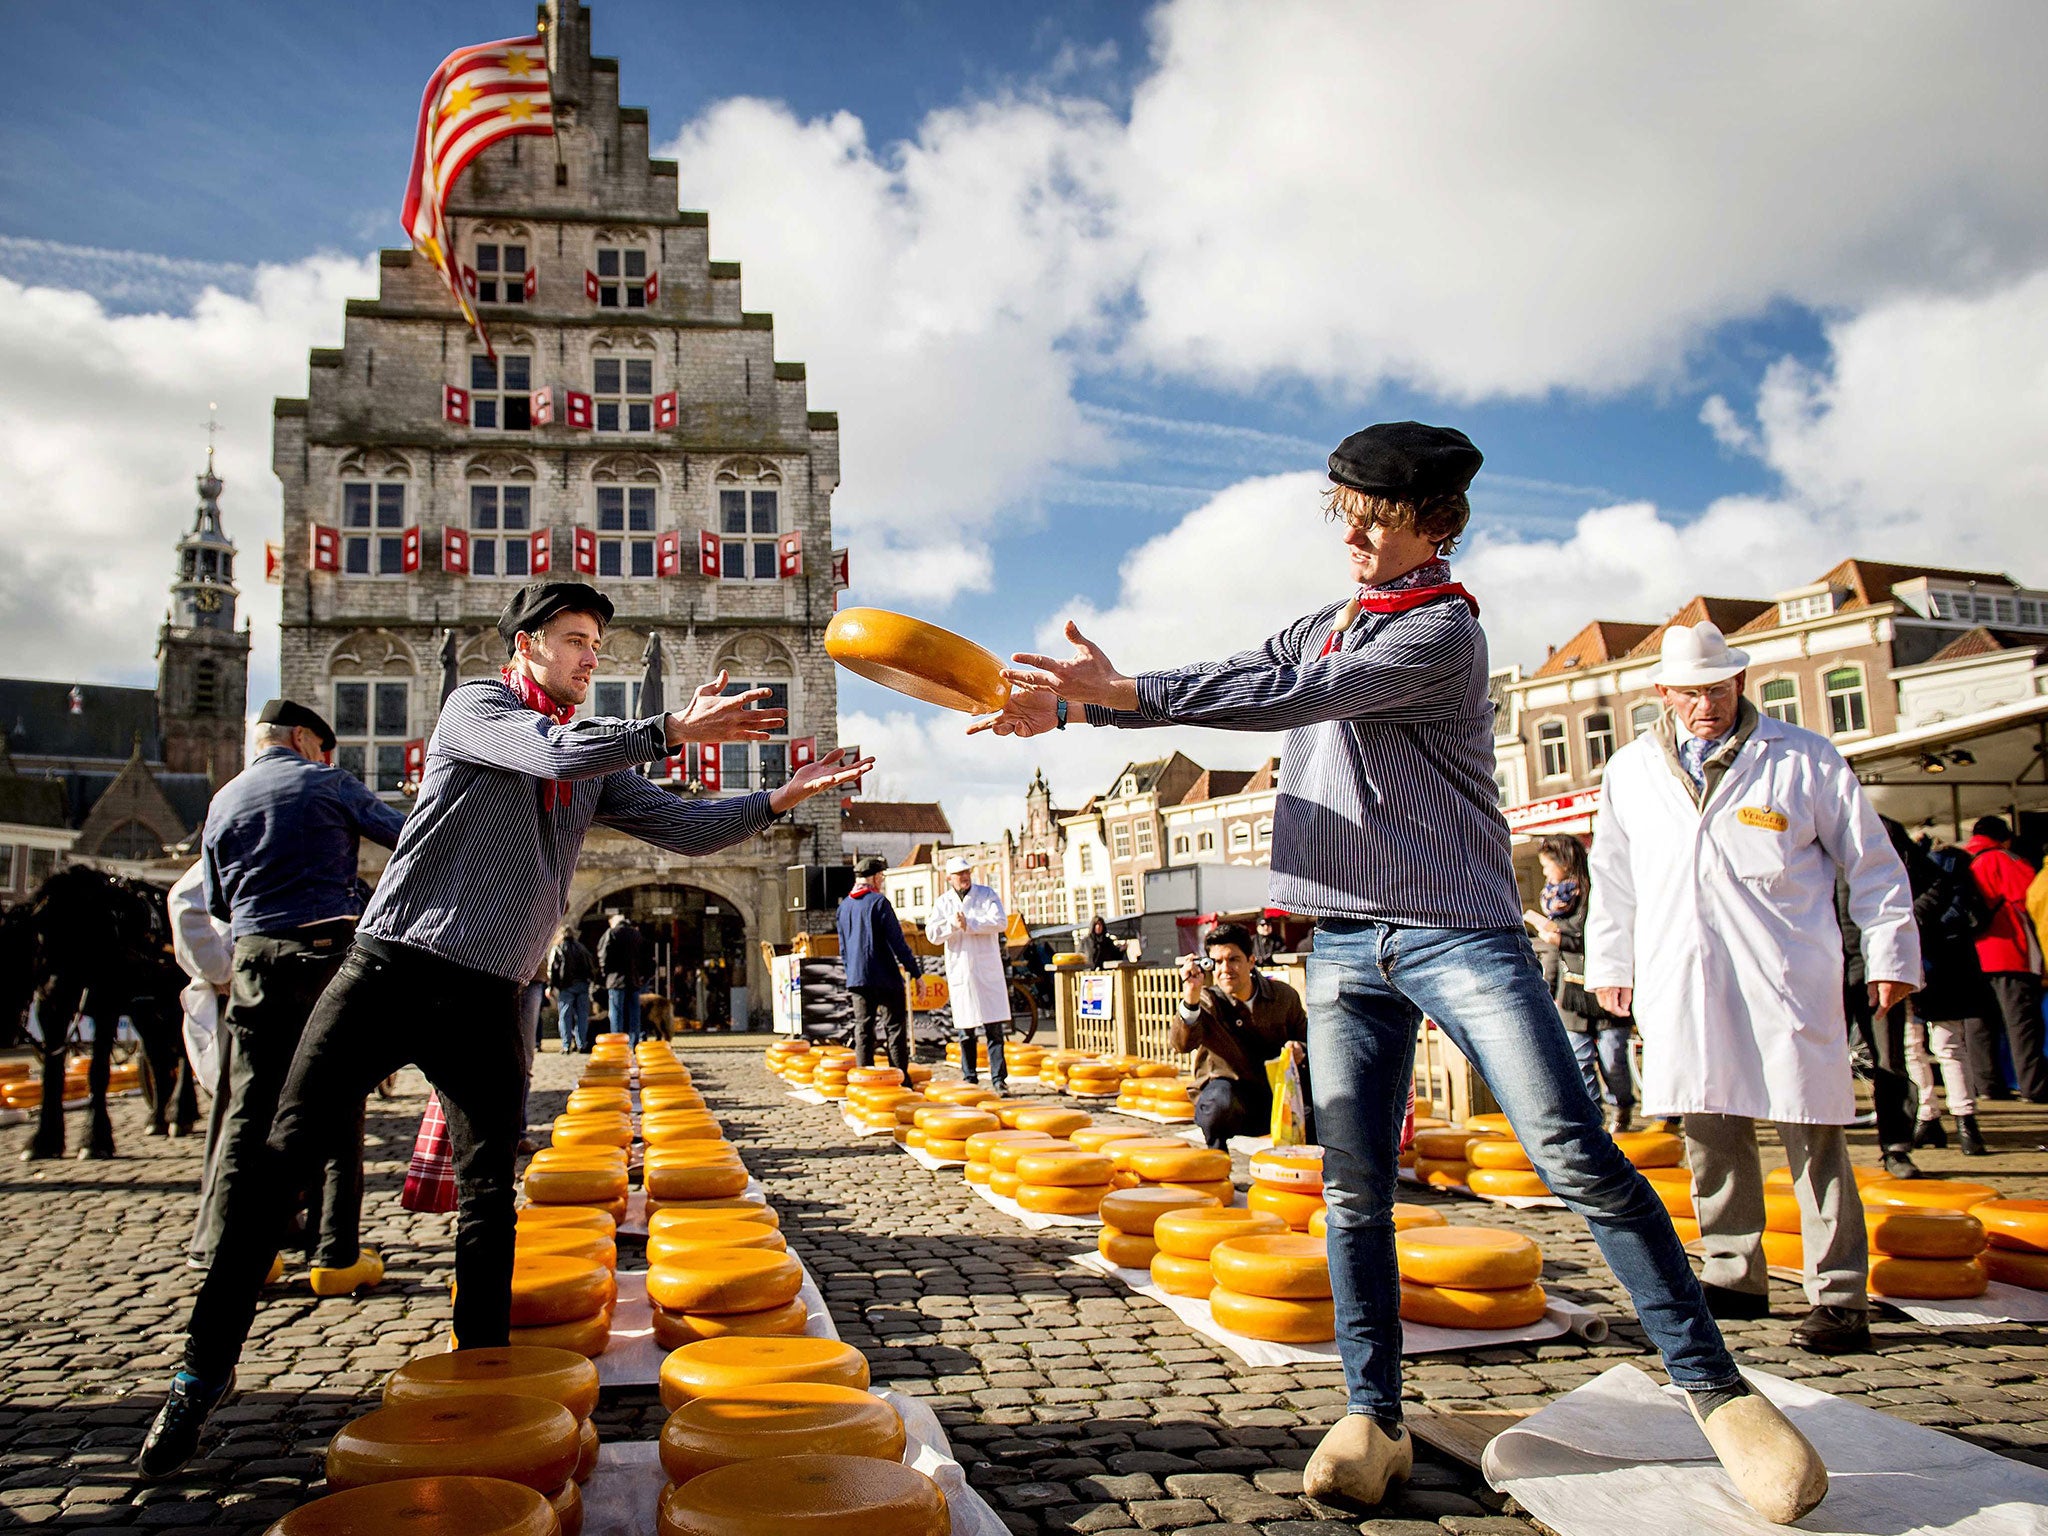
755,656
500,229
499,466
622,649
752,470
625,468
622,341
482,654
374,464
372,653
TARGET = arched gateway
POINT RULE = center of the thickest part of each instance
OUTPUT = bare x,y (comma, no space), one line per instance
697,941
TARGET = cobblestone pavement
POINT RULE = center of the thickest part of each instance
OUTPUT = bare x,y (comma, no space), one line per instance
1075,1405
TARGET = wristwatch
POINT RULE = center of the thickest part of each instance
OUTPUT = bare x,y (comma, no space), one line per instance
1059,713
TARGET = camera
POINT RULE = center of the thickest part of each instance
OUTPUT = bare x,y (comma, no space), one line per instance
1203,962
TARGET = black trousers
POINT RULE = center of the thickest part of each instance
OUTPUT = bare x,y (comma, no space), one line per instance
1892,1094
2019,1001
887,1011
173,1096
387,1006
1224,1108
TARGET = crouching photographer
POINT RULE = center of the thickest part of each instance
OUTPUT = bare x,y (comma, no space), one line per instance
1235,1021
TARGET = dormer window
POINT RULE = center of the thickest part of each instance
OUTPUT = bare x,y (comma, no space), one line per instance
1800,606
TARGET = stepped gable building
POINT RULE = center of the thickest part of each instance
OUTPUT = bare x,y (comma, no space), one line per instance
634,429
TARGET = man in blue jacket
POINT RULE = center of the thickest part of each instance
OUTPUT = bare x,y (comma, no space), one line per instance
871,945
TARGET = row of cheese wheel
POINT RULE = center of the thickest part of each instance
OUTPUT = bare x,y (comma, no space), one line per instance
1023,1060
1483,1156
21,1091
1259,1279
1168,1098
1468,1277
1288,1182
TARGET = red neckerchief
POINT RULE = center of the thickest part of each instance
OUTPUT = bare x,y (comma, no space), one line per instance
1392,599
536,698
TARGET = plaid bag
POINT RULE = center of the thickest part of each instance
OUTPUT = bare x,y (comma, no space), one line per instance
430,1178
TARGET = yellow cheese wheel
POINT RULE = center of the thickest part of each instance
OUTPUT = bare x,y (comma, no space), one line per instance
1467,1258
425,1506
553,1288
906,1109
555,1374
528,1440
1444,1306
1289,1168
1126,1250
1301,1321
807,1495
712,1366
1003,1155
982,1143
1294,1206
661,1247
1061,1199
945,1149
587,1336
586,1451
692,1154
1122,1151
1902,1233
704,1181
725,1280
1781,1211
1518,1183
569,1242
1781,1178
779,1419
1784,1250
1179,1164
1004,1184
1133,1211
1063,1167
1222,1191
676,1215
588,1156
1673,1186
952,1123
878,1077
1444,1146
561,1218
1178,1276
1687,1229
914,1138
1192,1233
2017,1224
1439,1175
588,1101
670,1098
2015,1266
672,1330
1651,1149
1927,1279
1489,1124
1944,1194
575,1186
596,1130
1054,1122
1093,1138
611,1041
679,1125
976,1174
1497,1152
567,1504
1286,1266
1007,1110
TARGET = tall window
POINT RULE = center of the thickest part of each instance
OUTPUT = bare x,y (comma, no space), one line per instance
615,700
42,863
206,686
370,730
1120,840
1780,698
1180,846
1553,750
1144,832
1848,709
625,530
1126,894
622,391
501,392
1087,860
132,840
373,528
6,866
1643,719
1599,740
500,519
742,517
621,277
1205,842
1240,837
501,274
757,765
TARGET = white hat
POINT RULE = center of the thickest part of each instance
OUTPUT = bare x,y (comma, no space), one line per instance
959,866
1697,656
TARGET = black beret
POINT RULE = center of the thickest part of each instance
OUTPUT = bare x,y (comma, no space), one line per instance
532,605
1405,461
870,866
288,712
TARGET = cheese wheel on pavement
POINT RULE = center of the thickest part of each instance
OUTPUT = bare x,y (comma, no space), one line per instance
528,1440
675,1154
945,1149
596,1130
1284,1265
1296,1207
1927,1279
875,1077
1783,1250
1279,1321
679,1125
1122,1151
2017,1224
976,1174
725,1280
2016,1266
1061,1199
672,1330
951,1123
580,1157
586,1451
1945,1194
665,1246
781,1419
567,1504
1903,1233
554,1374
1497,1152
1182,1164
806,1496
981,1143
1063,1167
575,1186
655,1097
1469,1258
570,1243
711,1366
1651,1149
1672,1186
1444,1146
425,1506
1442,1175
678,1215
1093,1138
1135,1210
1178,1276
1405,1216
1004,1184
1003,1155
1443,1306
1289,1168
553,1288
1517,1183
701,1181
1053,1121
1126,1250
587,1336
588,1101
1192,1233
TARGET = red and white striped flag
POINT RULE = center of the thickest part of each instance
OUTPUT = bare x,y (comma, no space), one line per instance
479,95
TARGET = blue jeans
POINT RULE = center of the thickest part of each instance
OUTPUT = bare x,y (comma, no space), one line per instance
626,1013
1603,1053
1368,986
572,1015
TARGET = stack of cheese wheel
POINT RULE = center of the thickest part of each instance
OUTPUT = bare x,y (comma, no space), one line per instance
1405,1216
430,1506
1205,1170
806,1493
2018,1230
1049,1119
784,1054
688,1159
1442,1155
1288,1181
594,1128
1783,1242
579,1231
1651,1149
1095,1079
1924,1254
785,1418
832,1076
1003,1155
905,1112
943,1130
872,1105
1052,1071
1054,1181
1497,1166
959,1093
1185,1238
124,1077
593,1177
1128,1216
562,1300
553,1375
982,1144
1469,1277
1673,1186
712,1366
1927,1194
1024,1060
1274,1286
1164,1098
1124,1148
531,1440
709,1278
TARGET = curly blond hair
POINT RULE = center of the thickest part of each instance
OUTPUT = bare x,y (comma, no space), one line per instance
1441,519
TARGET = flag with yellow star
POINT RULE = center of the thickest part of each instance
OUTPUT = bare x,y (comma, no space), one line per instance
479,95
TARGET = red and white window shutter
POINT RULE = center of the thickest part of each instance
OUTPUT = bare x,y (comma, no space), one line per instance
532,283
415,759
326,555
708,544
454,404
590,285
675,768
455,551
542,406
668,554
840,567
665,411
707,768
273,564
540,556
578,412
409,545
653,289
584,551
803,752
789,555
469,281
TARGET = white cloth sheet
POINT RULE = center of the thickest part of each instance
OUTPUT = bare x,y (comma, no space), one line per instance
858,1129
808,1096
2000,1303
1605,1456
925,1160
634,1358
1037,1221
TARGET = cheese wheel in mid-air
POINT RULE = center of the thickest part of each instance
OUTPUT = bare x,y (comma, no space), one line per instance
1296,1207
528,1440
921,660
672,1330
1927,1279
710,1366
665,1246
1286,1266
558,1375
1063,1167
2016,1224
1182,1277
806,1495
1126,1250
1469,1258
1061,1199
1901,1232
1277,1320
1135,1210
425,1506
725,1280
1506,1183
2016,1266
1192,1233
699,1181
1444,1306
780,1419
554,1288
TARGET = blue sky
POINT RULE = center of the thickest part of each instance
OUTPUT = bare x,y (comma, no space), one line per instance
1570,260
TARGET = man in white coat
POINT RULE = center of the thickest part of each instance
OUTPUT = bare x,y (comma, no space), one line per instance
1713,922
968,919
205,951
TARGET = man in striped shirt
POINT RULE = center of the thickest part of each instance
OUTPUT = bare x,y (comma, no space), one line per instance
1388,832
460,920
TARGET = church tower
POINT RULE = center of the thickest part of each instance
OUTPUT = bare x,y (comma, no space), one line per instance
202,682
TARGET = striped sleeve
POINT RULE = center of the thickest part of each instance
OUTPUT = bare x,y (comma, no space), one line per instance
628,803
485,725
1282,649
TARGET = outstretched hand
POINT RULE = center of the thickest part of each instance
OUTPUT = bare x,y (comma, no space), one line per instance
828,772
1086,677
715,715
1030,711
